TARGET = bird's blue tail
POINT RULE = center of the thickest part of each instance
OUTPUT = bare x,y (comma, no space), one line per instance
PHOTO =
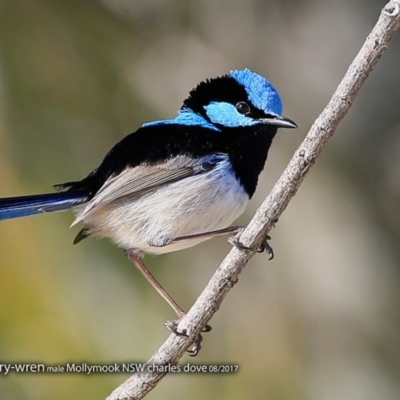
15,207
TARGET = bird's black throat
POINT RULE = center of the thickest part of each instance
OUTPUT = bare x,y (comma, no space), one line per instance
248,153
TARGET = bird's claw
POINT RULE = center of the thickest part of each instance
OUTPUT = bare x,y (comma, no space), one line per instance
234,241
172,326
196,346
264,246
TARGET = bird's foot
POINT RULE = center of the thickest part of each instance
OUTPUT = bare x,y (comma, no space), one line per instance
172,326
264,246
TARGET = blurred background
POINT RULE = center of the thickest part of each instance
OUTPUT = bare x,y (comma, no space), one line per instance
319,322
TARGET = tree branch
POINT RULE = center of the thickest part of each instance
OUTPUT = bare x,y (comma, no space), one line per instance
139,384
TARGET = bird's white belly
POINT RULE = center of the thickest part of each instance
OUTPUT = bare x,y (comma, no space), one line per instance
198,204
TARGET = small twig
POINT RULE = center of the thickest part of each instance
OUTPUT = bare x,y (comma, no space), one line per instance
138,385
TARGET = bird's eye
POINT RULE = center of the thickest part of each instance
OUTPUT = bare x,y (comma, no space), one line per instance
243,107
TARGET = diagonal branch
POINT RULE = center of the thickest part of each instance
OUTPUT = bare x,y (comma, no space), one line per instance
139,384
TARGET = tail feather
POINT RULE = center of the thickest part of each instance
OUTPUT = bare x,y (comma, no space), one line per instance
24,206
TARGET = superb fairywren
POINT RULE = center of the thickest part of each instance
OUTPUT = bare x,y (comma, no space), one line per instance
174,183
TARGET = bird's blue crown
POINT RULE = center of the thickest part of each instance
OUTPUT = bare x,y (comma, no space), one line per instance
259,90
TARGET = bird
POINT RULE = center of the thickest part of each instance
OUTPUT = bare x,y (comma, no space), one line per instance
174,183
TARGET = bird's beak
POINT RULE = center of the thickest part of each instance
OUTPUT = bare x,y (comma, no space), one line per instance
279,121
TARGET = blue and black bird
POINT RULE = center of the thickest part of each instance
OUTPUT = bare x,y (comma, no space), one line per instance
177,182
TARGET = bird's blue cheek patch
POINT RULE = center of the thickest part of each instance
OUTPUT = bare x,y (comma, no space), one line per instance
226,114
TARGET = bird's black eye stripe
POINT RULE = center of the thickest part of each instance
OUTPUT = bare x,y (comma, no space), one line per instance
243,107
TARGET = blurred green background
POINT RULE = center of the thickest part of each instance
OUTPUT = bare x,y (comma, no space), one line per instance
322,320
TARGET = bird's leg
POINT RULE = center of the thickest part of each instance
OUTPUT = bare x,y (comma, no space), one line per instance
136,260
219,232
234,240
